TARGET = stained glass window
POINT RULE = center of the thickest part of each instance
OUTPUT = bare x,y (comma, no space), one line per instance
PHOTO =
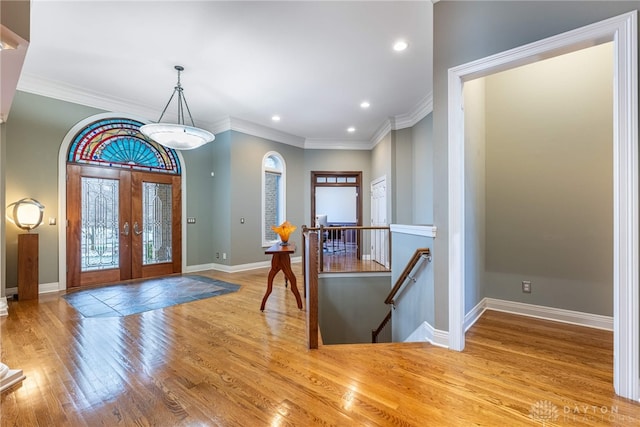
117,142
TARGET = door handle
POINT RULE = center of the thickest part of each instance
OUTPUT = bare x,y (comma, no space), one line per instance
125,229
136,229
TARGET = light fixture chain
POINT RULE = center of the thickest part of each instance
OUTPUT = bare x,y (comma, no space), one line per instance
188,111
166,106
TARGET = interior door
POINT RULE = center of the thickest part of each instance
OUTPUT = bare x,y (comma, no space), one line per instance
379,218
121,225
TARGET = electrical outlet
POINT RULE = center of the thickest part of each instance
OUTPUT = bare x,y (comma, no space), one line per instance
217,255
224,255
526,286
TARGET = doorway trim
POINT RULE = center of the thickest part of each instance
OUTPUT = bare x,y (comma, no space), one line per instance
62,193
622,31
332,176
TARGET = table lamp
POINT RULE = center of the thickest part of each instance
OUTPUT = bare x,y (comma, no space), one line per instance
27,214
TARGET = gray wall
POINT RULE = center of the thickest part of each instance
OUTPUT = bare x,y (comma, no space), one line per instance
475,140
350,307
422,145
221,190
338,160
247,153
549,175
382,164
402,197
34,131
415,301
200,201
466,31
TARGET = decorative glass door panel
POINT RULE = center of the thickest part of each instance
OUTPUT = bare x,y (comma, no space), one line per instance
100,222
156,217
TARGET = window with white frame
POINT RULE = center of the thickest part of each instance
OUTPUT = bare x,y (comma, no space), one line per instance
273,195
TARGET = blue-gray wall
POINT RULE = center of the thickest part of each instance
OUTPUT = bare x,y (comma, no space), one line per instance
350,307
34,131
415,301
247,153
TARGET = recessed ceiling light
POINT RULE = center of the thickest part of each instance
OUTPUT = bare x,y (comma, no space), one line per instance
351,129
400,45
275,118
364,104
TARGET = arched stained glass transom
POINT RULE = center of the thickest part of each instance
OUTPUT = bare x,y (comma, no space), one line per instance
117,142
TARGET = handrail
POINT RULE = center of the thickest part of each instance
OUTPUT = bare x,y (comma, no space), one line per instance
418,254
376,332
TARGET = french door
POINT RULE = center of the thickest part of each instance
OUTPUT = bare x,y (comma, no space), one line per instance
121,225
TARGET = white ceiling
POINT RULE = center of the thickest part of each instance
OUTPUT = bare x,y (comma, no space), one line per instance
311,62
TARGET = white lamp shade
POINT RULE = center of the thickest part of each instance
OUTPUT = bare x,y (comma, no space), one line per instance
177,136
26,213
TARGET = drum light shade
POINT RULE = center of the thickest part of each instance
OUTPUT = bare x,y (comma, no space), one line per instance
25,213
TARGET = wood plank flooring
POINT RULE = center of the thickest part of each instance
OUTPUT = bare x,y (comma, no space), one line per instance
222,362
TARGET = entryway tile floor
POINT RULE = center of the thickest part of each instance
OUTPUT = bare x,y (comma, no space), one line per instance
145,295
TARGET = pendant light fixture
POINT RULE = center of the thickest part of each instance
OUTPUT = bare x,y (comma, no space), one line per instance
177,136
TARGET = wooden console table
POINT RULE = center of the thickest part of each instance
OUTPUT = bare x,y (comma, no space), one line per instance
280,260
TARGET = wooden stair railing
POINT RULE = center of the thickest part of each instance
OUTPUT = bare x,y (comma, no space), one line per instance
376,332
417,255
310,274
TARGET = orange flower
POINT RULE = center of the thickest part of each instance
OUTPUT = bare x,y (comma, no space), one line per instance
284,230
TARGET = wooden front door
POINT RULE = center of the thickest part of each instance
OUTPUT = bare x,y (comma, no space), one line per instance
121,225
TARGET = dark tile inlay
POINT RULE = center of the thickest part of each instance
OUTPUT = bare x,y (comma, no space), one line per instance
145,295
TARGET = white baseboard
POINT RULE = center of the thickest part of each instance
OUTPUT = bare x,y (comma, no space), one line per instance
4,307
234,268
474,314
541,312
426,333
200,267
43,288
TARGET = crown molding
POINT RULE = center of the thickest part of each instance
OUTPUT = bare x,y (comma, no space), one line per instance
419,112
402,121
74,94
384,128
332,144
40,86
265,132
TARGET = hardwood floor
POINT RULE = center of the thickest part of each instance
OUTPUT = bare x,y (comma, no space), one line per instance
220,361
348,262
